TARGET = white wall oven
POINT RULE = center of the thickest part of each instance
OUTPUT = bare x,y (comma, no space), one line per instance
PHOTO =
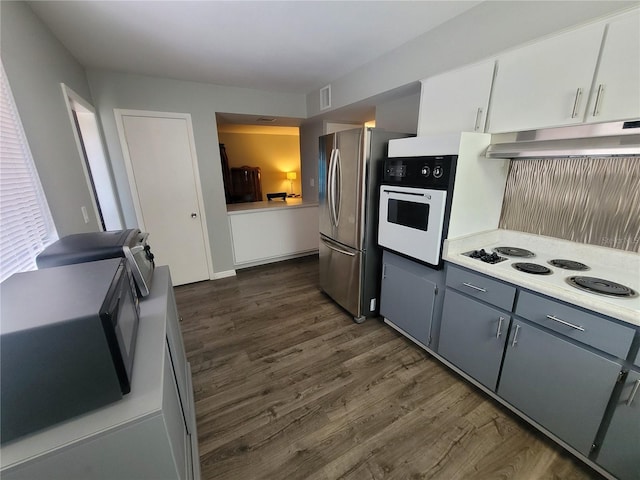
415,201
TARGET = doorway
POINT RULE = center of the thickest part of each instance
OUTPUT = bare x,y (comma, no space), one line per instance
96,168
162,167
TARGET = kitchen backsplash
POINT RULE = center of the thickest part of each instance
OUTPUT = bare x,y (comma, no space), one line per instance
593,200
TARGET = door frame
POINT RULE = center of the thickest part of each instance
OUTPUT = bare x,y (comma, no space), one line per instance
75,103
119,113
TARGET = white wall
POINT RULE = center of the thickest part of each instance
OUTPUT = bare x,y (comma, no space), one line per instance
483,31
36,63
310,132
138,92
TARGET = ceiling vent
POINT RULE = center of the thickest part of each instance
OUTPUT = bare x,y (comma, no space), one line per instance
325,97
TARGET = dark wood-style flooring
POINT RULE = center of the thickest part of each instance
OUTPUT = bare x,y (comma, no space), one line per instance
287,386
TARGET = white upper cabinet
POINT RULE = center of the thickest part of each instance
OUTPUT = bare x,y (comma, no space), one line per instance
456,101
616,90
547,83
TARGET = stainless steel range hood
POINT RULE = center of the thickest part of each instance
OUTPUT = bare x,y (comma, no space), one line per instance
602,139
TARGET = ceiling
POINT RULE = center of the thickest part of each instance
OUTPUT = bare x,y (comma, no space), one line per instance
281,46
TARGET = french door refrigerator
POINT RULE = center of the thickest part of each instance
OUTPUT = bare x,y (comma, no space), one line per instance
349,173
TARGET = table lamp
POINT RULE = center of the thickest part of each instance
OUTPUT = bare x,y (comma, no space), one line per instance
291,176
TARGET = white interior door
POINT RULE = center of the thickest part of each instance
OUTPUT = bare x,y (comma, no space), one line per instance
163,173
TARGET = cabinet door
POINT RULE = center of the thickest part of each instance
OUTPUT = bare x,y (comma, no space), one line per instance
616,93
178,357
620,452
456,101
545,84
407,301
472,337
563,387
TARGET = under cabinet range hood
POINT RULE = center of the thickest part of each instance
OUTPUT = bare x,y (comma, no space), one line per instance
594,140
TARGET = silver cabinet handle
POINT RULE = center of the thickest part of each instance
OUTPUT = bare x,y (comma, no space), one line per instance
478,118
474,287
559,320
596,106
498,333
632,395
515,336
194,215
576,103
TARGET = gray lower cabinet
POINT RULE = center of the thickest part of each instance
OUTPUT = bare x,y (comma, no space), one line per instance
563,387
620,449
408,296
472,337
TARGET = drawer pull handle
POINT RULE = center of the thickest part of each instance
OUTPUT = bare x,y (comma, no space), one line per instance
636,386
498,333
474,287
515,336
556,319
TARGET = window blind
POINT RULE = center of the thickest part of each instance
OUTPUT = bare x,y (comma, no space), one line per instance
26,226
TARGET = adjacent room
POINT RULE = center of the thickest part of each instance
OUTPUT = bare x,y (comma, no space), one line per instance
320,240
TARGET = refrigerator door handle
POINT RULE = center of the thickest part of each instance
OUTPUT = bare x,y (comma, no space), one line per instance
330,184
337,187
336,249
332,193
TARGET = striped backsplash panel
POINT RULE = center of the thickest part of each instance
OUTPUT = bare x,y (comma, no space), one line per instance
593,200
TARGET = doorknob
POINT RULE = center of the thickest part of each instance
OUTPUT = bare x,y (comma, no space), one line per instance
194,215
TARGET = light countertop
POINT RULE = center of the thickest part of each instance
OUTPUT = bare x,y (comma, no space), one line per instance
276,204
607,263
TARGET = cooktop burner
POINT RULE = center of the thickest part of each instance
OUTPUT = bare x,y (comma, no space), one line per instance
601,287
514,252
532,268
568,264
485,256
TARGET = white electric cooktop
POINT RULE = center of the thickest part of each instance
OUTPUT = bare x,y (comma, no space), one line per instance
615,272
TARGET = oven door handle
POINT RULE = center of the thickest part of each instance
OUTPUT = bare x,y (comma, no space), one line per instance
415,194
336,249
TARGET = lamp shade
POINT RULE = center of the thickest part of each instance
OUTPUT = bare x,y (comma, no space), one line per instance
291,175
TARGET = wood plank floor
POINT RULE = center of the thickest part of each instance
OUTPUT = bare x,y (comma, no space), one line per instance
287,386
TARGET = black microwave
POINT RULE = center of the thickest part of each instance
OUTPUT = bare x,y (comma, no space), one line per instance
67,342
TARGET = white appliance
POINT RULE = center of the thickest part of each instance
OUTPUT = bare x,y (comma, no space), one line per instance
478,183
413,206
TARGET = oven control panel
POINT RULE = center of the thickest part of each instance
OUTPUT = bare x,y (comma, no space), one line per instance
427,172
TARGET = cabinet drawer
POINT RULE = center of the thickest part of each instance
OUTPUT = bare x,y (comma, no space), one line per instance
481,287
588,328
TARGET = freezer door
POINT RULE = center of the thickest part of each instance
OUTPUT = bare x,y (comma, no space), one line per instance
340,268
341,163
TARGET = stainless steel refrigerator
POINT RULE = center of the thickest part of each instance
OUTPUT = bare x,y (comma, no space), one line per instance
349,173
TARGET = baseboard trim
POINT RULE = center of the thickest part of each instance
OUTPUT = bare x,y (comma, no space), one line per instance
225,274
281,258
